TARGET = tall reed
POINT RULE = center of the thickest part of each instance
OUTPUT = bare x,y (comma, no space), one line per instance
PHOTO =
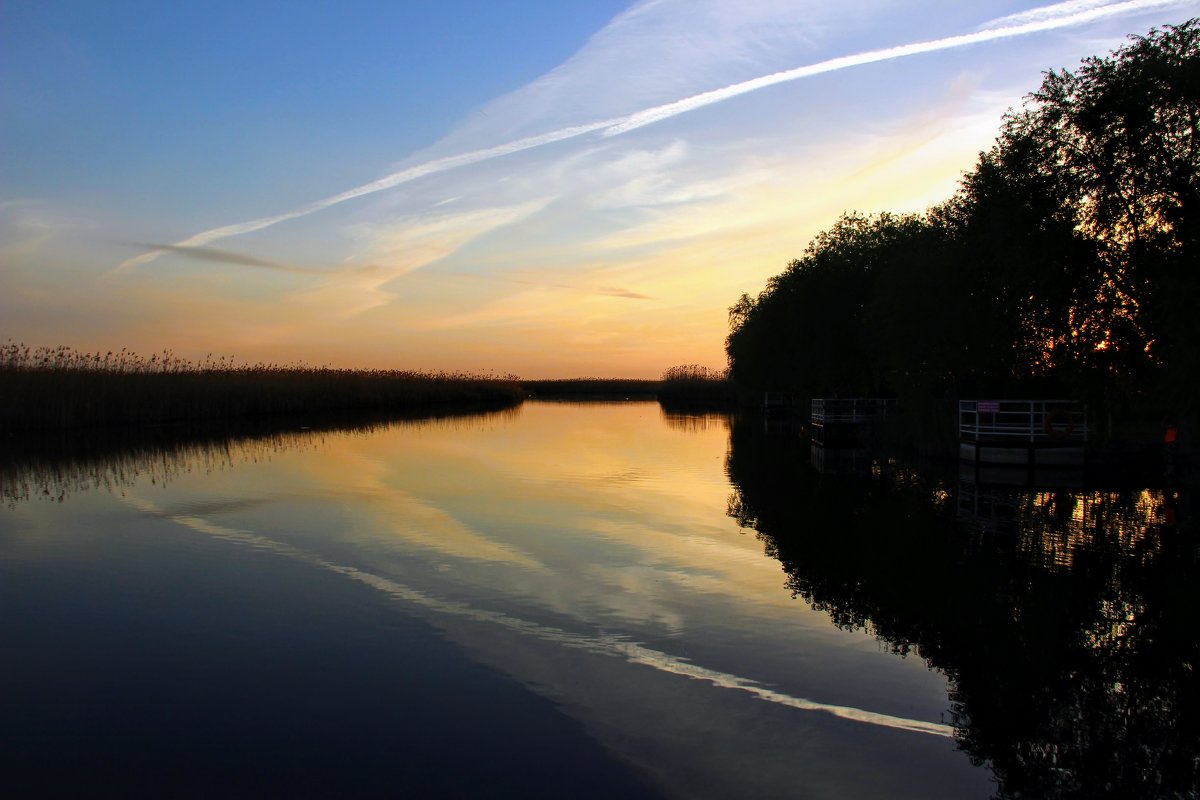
62,387
693,385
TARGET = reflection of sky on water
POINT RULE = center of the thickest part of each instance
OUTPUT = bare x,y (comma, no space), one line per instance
589,518
544,539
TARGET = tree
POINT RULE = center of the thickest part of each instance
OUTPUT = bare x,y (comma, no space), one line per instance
1116,146
1068,261
807,330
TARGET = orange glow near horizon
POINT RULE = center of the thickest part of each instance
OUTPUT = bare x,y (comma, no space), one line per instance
596,221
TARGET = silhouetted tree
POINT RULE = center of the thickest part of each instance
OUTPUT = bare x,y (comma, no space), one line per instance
1027,278
808,330
1079,220
1067,260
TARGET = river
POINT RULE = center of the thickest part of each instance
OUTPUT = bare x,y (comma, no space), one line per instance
582,600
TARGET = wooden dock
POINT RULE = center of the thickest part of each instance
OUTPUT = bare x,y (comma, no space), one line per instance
1022,433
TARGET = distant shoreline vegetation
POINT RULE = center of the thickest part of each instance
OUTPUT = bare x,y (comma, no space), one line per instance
591,389
53,388
682,387
46,388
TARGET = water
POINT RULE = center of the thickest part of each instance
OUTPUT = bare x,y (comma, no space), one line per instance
581,600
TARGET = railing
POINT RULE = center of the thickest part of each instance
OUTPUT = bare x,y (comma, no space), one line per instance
827,411
1041,421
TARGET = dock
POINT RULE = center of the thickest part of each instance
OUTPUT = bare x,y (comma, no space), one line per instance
1022,433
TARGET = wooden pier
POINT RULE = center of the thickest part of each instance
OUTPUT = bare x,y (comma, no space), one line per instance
1022,433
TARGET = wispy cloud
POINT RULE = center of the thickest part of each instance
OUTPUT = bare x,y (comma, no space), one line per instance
603,291
1046,18
218,256
387,182
615,292
1051,12
1052,17
398,248
27,225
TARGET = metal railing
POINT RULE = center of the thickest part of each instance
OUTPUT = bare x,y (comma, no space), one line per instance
1039,421
825,411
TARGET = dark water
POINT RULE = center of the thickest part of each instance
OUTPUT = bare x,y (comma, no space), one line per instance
583,601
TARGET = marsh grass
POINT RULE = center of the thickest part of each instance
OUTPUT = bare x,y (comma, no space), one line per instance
694,386
47,388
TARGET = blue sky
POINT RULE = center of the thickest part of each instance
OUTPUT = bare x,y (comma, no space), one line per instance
130,100
544,188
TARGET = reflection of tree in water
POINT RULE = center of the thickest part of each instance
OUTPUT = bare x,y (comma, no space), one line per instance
1071,640
54,466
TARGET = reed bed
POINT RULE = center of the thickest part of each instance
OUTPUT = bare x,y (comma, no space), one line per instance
47,388
695,386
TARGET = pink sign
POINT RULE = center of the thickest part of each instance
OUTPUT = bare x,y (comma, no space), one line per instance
987,406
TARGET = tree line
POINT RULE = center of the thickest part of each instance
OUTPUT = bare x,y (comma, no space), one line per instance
1067,263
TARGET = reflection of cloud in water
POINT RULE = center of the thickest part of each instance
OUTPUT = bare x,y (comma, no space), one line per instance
606,645
631,593
432,528
399,514
694,556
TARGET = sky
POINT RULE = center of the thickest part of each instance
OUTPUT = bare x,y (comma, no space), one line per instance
529,187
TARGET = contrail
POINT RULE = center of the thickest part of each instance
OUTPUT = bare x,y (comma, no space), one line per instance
1060,15
1064,8
386,182
605,644
1037,20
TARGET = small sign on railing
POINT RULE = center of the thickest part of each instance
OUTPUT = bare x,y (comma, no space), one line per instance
1038,422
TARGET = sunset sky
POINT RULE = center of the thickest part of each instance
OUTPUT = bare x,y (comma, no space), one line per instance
539,187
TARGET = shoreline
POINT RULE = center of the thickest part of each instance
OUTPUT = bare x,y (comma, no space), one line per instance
42,400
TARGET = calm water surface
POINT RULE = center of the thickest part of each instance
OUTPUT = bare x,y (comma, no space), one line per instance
583,600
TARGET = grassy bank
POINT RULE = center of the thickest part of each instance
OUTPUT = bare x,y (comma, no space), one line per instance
63,388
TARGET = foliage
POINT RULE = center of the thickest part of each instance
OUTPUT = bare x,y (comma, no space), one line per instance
809,330
1104,168
1065,262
